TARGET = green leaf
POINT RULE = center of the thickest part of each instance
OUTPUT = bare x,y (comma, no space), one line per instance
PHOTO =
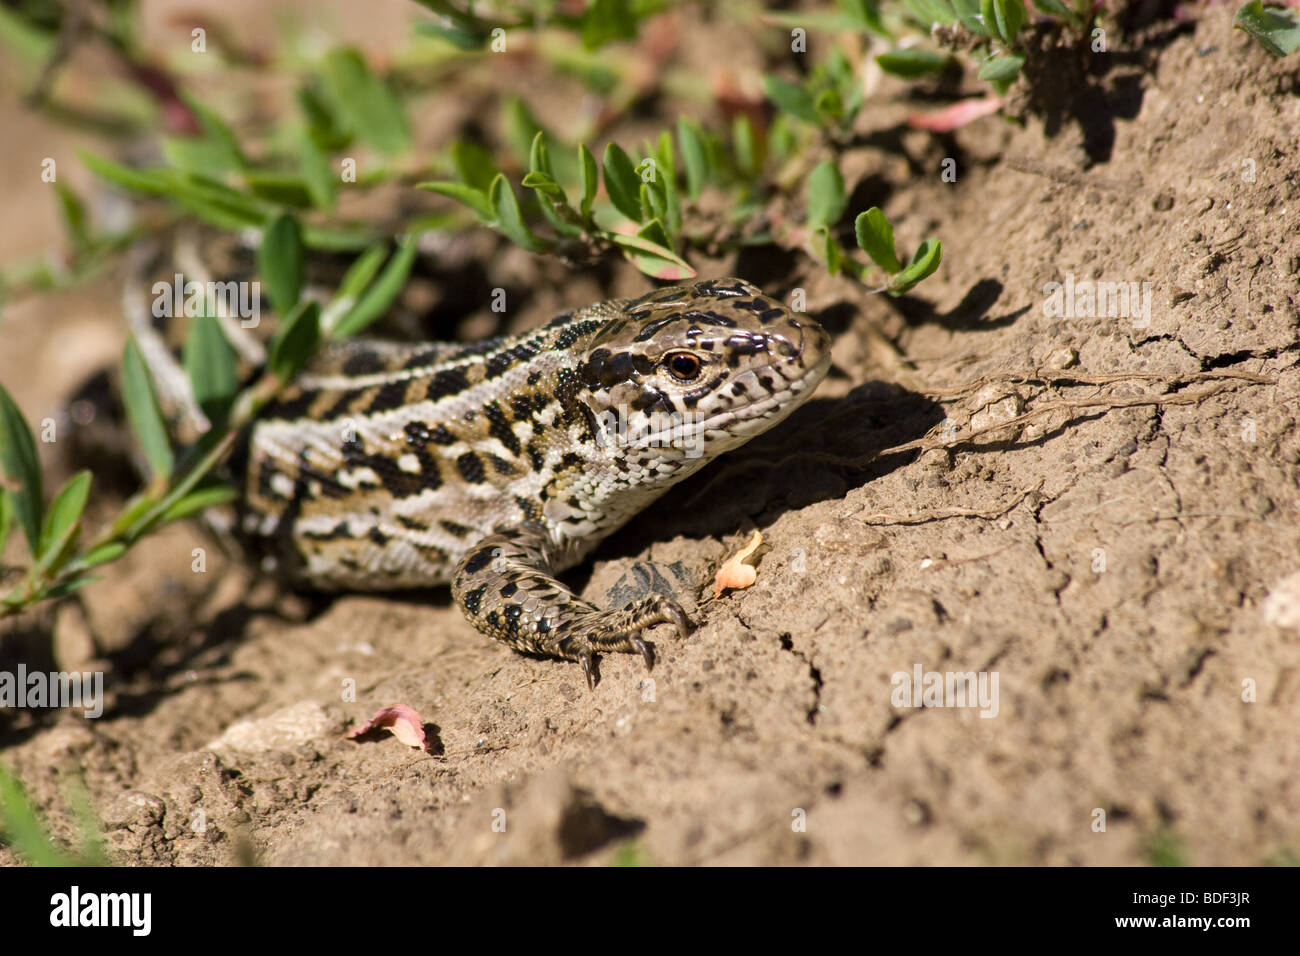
826,197
668,183
823,21
210,364
655,231
989,18
316,173
589,180
63,517
466,195
216,202
543,183
968,12
324,128
509,217
652,258
136,507
365,103
143,412
829,105
1001,70
1008,17
22,828
6,519
102,555
197,501
930,12
865,14
281,262
561,216
473,164
153,182
876,238
280,187
693,156
912,62
1056,8
924,262
296,341
73,211
461,37
539,165
539,159
196,155
792,99
622,182
206,198
215,151
64,588
1277,29
363,269
606,21
831,251
218,133
382,293
652,202
744,144
18,456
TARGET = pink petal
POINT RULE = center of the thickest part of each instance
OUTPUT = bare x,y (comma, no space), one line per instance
403,721
956,116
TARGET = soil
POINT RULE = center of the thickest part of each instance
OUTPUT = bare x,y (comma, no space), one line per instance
1122,558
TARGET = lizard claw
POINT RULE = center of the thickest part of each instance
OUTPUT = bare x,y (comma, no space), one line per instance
647,652
589,669
678,618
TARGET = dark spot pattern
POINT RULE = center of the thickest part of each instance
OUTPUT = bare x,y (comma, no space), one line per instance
471,468
445,383
499,428
390,396
473,600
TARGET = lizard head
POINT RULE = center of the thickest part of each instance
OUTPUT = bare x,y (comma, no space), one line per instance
689,372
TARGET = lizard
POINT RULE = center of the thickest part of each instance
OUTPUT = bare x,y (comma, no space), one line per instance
494,466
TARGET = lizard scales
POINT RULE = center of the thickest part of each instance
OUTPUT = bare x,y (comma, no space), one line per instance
493,466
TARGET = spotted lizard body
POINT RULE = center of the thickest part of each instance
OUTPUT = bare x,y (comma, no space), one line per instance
496,465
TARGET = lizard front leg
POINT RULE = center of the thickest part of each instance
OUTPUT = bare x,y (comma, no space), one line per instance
506,588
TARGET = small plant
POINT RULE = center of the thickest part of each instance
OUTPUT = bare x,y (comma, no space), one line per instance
352,132
1164,847
22,828
179,483
997,26
829,98
874,234
1275,27
645,193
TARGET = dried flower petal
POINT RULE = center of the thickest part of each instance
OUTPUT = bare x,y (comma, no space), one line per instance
403,721
734,573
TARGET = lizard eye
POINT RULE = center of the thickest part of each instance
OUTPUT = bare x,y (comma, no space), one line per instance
682,366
